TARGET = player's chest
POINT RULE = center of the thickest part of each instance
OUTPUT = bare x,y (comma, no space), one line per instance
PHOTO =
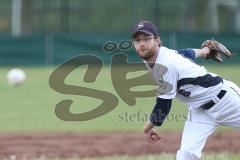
158,71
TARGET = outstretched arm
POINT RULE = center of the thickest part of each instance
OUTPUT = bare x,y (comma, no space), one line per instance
203,52
194,53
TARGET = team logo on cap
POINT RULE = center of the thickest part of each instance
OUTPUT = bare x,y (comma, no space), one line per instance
140,25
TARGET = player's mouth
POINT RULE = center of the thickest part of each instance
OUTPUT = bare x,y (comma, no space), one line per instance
143,50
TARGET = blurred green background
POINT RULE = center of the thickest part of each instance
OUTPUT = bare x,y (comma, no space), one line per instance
39,35
41,16
48,32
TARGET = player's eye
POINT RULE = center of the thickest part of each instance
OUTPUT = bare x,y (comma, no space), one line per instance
138,39
144,39
148,38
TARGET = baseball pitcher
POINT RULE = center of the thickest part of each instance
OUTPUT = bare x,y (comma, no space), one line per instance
212,101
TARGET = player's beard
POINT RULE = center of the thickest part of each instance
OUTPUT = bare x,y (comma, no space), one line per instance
147,55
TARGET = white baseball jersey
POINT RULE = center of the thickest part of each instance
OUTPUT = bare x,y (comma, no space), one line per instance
177,76
180,77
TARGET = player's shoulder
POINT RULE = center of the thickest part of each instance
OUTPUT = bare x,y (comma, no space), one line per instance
171,57
167,57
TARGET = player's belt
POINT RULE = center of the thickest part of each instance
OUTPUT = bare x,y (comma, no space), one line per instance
211,103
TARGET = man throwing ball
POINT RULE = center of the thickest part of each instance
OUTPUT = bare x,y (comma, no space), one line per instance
212,101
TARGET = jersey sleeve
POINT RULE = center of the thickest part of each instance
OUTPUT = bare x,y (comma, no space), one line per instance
160,111
168,84
187,52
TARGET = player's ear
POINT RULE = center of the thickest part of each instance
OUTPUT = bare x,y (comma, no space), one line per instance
158,40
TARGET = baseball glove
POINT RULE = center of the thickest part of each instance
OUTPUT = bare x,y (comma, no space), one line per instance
216,50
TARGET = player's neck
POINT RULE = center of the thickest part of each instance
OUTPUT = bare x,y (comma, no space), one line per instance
152,60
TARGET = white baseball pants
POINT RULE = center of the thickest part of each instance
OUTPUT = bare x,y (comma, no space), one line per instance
201,123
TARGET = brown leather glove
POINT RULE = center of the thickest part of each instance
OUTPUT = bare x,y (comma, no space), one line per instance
216,50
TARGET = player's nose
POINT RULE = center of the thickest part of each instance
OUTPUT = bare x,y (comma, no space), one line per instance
141,44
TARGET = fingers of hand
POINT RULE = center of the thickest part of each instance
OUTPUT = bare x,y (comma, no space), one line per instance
153,137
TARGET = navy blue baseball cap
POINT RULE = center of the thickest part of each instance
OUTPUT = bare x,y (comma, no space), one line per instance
145,27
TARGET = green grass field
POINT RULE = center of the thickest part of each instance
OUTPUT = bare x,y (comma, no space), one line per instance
30,107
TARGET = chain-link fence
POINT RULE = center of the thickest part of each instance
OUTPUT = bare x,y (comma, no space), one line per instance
118,16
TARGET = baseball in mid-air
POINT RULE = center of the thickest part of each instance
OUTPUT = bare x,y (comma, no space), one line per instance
16,77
